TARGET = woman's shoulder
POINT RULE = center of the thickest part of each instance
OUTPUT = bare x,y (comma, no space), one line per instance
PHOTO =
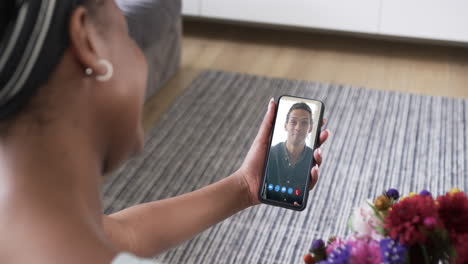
127,258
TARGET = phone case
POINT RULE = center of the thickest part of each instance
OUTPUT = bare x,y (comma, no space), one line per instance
312,164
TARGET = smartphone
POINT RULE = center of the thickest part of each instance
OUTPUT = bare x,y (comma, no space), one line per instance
294,137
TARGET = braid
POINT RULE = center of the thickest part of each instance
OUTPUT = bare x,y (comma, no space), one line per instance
6,13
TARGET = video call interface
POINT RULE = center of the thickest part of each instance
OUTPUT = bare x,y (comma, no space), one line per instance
291,150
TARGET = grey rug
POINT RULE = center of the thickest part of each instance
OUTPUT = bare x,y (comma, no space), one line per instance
379,140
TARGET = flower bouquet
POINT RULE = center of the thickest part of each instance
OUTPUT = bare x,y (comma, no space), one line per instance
418,228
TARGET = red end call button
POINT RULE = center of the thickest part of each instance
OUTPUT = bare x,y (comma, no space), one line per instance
297,192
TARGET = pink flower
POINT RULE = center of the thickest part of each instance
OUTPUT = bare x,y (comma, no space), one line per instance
362,251
430,223
364,223
365,251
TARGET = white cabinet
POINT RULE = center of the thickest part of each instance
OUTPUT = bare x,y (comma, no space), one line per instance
356,15
191,7
431,19
423,19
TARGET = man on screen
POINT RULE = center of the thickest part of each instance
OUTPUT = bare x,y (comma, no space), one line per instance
289,161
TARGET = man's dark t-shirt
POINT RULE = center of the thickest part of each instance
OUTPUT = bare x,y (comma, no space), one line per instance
283,174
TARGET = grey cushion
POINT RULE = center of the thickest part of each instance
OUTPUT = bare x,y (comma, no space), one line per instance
156,25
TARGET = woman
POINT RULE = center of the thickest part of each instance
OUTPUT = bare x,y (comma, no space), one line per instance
72,85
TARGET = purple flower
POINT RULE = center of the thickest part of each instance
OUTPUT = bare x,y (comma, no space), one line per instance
340,255
318,250
392,251
425,193
317,244
392,193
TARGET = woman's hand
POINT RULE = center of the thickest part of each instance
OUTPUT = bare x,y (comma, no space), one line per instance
252,168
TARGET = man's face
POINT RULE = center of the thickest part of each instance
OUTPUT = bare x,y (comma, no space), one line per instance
298,126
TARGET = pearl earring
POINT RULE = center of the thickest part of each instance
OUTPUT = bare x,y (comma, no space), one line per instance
109,71
89,71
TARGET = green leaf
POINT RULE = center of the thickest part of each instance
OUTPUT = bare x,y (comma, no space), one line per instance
350,222
376,212
381,230
424,251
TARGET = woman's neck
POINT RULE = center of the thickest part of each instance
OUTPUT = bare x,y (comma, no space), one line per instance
54,168
50,196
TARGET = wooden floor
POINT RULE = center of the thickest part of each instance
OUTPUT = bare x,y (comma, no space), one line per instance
376,64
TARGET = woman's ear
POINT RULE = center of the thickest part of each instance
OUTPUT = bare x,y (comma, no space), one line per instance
85,40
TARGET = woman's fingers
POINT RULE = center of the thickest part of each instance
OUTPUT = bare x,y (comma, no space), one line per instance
324,121
267,124
318,156
314,176
323,136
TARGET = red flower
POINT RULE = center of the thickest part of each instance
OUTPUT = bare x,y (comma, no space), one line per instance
453,212
308,259
462,250
406,219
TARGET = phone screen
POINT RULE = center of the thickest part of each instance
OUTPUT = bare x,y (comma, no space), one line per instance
290,157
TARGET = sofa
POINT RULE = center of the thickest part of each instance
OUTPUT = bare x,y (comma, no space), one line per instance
156,26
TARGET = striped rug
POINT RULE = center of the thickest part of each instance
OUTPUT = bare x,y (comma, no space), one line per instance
379,140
